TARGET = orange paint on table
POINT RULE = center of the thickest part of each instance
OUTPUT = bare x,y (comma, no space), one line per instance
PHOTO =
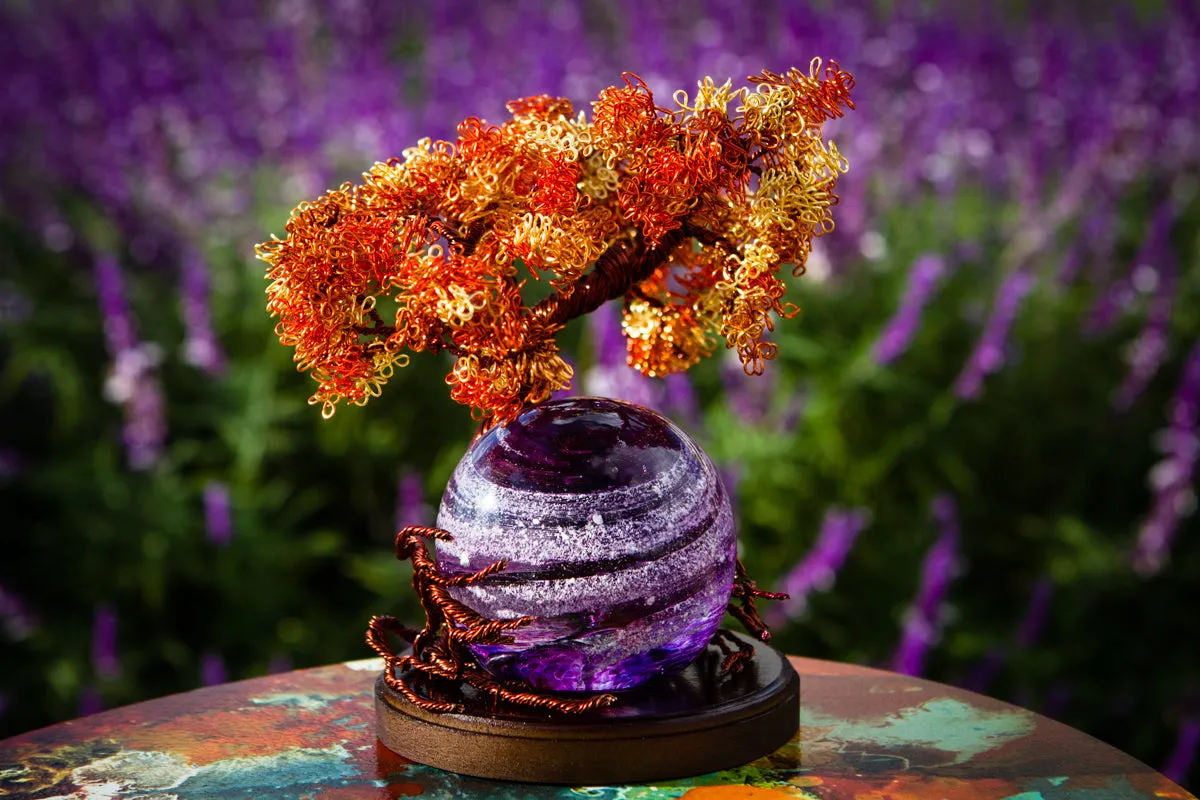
743,793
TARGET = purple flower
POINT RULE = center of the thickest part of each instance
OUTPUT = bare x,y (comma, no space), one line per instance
90,701
1171,479
1147,352
212,670
131,381
981,677
610,375
679,399
15,306
151,114
925,617
218,517
1095,240
1150,266
118,323
1183,754
818,570
145,423
11,463
1036,612
411,508
923,278
988,355
792,410
200,347
1068,268
105,662
15,619
748,396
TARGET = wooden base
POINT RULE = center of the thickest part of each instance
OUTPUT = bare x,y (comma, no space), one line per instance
689,724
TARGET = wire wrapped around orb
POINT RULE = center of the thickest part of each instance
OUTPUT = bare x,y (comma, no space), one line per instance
431,673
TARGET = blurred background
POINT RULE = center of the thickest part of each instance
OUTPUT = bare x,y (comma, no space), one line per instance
973,460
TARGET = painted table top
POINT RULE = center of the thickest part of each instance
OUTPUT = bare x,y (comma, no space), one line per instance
864,734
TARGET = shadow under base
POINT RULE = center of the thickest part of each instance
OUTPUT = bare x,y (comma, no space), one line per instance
695,722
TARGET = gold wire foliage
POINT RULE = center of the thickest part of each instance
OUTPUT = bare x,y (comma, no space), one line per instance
689,213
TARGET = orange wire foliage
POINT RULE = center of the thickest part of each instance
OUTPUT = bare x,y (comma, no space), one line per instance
688,213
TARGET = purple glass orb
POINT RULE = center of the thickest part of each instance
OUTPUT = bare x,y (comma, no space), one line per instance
619,538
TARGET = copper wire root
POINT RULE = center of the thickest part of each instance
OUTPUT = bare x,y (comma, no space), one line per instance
743,608
439,662
429,675
737,654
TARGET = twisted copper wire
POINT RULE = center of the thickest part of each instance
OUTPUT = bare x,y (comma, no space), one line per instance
439,660
745,591
622,267
737,654
431,674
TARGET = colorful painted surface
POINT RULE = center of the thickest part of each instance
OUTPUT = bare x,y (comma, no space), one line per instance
864,734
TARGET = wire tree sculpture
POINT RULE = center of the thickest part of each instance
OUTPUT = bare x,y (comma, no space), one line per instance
688,213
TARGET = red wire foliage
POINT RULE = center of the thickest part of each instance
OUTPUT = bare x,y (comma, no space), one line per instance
431,673
688,213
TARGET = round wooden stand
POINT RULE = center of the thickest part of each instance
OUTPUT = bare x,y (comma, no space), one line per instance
688,724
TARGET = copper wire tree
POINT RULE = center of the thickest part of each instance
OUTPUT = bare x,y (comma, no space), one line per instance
687,213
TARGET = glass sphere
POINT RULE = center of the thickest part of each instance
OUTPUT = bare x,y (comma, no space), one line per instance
619,538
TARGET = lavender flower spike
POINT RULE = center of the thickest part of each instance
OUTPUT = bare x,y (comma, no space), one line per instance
200,346
610,376
923,278
1154,271
1171,479
923,622
212,670
118,323
1036,612
1187,744
1031,626
818,569
218,517
989,351
90,701
16,621
982,675
1153,254
747,396
104,643
679,399
131,382
411,508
